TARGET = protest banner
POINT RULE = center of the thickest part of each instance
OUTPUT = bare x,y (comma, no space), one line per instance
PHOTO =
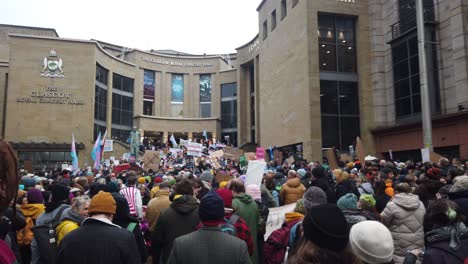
151,160
222,176
332,160
276,218
194,149
360,150
123,167
260,153
255,172
108,145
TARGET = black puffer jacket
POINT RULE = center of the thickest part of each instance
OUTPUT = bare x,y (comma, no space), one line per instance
178,220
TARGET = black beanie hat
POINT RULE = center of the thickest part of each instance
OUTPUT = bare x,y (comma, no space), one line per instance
326,226
59,192
211,207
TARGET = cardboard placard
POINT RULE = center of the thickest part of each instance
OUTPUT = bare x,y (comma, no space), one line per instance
217,154
278,156
332,161
346,157
360,150
151,160
222,176
290,160
435,157
250,156
233,153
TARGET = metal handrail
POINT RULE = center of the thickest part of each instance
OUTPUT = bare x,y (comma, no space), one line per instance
408,22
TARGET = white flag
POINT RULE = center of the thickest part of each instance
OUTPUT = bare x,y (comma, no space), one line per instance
174,142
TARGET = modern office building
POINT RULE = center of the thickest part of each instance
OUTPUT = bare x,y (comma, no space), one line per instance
317,75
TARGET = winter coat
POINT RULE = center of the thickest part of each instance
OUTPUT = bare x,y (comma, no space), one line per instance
292,191
381,201
246,208
209,245
156,206
440,252
346,186
354,216
179,219
100,242
70,221
42,219
327,187
461,198
32,210
427,191
267,197
404,217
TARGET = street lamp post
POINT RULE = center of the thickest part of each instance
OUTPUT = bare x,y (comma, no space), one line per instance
425,103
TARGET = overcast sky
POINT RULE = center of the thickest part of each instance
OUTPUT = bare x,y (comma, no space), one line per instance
192,26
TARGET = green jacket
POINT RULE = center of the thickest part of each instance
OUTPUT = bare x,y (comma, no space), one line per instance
209,245
246,208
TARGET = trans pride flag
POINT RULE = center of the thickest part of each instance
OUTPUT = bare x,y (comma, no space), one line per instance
96,152
73,155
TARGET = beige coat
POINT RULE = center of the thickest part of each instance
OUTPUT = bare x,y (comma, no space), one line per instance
156,206
292,191
404,216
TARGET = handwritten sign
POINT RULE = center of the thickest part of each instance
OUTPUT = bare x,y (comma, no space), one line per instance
260,153
276,218
194,149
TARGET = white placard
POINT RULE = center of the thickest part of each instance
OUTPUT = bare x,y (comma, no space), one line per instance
108,145
194,149
426,155
276,218
255,172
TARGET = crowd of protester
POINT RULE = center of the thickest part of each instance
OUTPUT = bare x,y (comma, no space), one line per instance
361,212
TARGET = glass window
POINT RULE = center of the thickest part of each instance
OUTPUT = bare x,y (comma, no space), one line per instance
177,94
97,129
122,110
273,20
339,103
284,9
148,84
205,110
122,83
265,30
101,74
229,114
121,135
147,108
229,138
229,90
100,103
205,88
57,156
337,50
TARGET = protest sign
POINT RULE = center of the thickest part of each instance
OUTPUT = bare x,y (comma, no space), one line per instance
217,154
276,218
290,160
107,162
278,155
126,156
194,149
222,176
151,160
250,156
255,172
233,153
332,160
360,150
119,168
435,157
346,157
108,145
260,153
64,166
426,155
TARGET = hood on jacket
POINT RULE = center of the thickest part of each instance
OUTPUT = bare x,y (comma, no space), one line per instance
70,214
32,210
185,204
407,201
293,183
367,187
244,198
161,193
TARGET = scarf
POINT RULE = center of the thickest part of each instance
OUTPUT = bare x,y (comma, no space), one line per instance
451,233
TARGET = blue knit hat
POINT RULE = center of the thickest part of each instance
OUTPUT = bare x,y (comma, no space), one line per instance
211,207
348,201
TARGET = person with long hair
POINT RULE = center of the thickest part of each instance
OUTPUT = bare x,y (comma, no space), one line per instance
326,237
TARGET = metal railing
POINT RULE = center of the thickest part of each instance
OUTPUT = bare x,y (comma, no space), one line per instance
408,22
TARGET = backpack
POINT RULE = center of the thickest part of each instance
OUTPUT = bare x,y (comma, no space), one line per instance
46,238
26,235
276,245
228,227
